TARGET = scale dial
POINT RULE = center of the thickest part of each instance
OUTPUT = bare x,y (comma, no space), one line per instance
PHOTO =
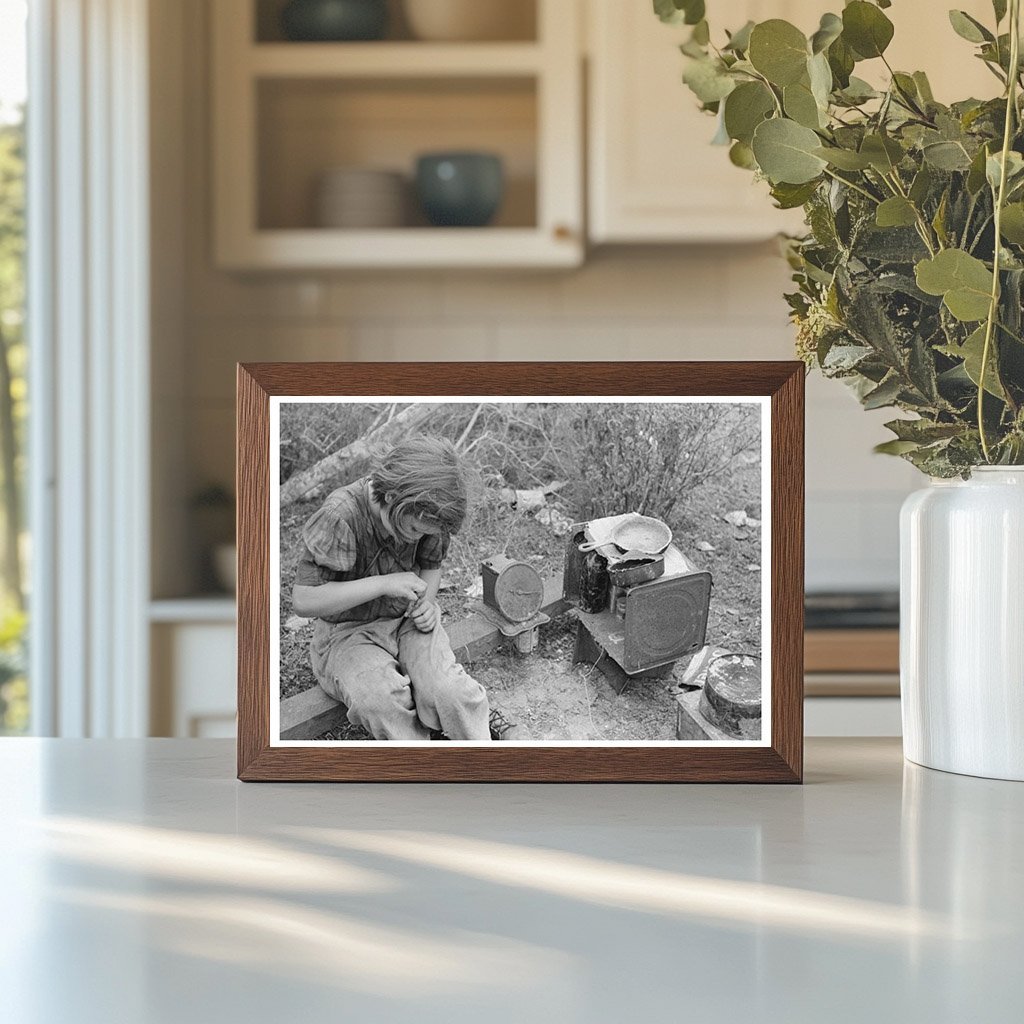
515,589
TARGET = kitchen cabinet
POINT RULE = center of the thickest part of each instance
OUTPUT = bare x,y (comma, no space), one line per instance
193,672
653,175
287,113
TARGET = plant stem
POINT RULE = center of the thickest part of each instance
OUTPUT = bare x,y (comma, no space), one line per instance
993,309
1012,334
922,225
855,187
771,90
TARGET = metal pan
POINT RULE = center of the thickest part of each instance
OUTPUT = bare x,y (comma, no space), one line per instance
637,533
632,573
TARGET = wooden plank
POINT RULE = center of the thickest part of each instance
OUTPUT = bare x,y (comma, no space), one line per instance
852,650
310,713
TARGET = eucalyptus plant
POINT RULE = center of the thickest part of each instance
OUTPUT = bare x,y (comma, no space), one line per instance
910,278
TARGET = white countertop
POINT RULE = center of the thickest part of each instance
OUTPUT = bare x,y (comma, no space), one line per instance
143,884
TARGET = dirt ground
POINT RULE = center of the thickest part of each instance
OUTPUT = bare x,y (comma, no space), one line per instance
544,691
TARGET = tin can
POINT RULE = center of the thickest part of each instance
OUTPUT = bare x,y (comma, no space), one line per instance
594,583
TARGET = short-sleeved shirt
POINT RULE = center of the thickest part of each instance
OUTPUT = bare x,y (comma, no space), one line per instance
345,539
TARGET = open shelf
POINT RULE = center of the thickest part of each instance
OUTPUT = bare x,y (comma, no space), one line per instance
287,113
392,60
519,17
406,248
308,127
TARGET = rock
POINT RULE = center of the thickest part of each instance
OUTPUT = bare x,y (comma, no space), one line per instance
557,521
703,545
740,519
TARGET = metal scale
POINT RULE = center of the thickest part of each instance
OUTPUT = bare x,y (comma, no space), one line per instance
512,599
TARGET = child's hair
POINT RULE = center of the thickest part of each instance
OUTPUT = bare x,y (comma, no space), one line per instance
423,477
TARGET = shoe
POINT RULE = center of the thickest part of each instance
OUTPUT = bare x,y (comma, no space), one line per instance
503,729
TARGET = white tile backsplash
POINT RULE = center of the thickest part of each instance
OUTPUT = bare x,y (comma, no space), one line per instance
716,302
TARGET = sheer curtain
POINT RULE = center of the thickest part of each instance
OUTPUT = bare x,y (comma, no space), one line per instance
88,313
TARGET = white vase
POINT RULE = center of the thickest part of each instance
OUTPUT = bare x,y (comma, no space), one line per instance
962,624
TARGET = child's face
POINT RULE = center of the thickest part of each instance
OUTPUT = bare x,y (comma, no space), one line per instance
408,528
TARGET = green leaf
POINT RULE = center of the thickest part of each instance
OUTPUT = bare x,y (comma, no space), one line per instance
963,281
701,33
896,212
742,155
906,90
895,447
830,28
921,185
820,76
841,60
1012,223
924,88
694,11
708,81
885,394
866,29
976,174
999,7
858,91
883,153
939,220
971,352
946,156
969,28
789,197
785,152
739,41
800,105
745,108
1014,169
779,51
676,12
923,431
844,159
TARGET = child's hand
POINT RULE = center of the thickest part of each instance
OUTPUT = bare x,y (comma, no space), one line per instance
425,616
404,585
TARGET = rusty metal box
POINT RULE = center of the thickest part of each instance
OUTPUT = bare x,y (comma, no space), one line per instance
666,620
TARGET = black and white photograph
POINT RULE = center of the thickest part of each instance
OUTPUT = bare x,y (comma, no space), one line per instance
554,571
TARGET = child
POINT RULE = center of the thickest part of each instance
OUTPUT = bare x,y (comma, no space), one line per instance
369,573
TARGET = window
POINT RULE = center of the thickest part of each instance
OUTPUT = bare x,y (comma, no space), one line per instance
14,549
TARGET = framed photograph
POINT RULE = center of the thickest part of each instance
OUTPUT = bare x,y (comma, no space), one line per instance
518,572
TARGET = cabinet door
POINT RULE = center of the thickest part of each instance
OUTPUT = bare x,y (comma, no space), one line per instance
653,174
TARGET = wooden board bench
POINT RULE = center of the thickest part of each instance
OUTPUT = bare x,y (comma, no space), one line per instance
311,713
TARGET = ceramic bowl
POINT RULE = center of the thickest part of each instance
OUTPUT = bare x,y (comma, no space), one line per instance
460,189
334,20
469,20
358,197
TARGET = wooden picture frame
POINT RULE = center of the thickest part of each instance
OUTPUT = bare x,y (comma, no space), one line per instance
777,758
